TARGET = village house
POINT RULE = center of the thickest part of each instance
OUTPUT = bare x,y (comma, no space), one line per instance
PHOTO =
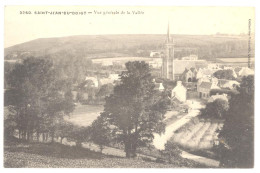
245,71
205,72
179,92
204,89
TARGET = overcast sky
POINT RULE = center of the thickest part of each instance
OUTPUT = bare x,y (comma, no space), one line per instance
20,28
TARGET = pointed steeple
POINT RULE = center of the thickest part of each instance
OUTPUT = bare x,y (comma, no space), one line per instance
168,33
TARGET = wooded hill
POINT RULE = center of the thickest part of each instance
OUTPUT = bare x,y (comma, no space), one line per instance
94,46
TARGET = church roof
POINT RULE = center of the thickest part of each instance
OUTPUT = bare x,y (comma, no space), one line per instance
181,65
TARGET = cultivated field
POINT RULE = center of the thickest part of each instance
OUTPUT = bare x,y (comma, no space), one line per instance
198,135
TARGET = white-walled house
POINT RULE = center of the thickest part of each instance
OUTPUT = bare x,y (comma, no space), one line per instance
179,92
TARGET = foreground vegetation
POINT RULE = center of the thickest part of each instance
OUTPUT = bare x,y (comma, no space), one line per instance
54,155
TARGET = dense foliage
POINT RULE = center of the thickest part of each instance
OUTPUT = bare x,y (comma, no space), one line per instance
237,136
216,109
37,98
224,74
135,110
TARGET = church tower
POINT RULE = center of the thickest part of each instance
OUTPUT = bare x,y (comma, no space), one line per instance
167,65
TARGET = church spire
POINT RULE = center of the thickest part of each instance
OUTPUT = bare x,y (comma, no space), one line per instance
168,33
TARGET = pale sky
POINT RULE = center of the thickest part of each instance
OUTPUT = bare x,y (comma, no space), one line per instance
20,28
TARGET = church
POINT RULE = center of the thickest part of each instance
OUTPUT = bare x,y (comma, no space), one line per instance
173,68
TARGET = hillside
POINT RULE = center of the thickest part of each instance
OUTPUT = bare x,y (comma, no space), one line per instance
39,155
206,46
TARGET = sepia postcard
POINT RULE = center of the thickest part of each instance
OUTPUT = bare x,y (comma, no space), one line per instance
129,87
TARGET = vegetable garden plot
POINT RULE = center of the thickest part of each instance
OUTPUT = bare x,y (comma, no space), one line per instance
198,135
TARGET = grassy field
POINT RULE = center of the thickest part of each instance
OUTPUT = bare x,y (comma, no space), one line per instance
84,115
39,155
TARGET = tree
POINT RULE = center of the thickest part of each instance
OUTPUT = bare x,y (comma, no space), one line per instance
8,67
237,137
105,90
64,129
224,74
216,109
135,109
10,122
38,96
101,133
79,135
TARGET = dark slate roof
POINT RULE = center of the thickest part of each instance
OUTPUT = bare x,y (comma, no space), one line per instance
206,85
